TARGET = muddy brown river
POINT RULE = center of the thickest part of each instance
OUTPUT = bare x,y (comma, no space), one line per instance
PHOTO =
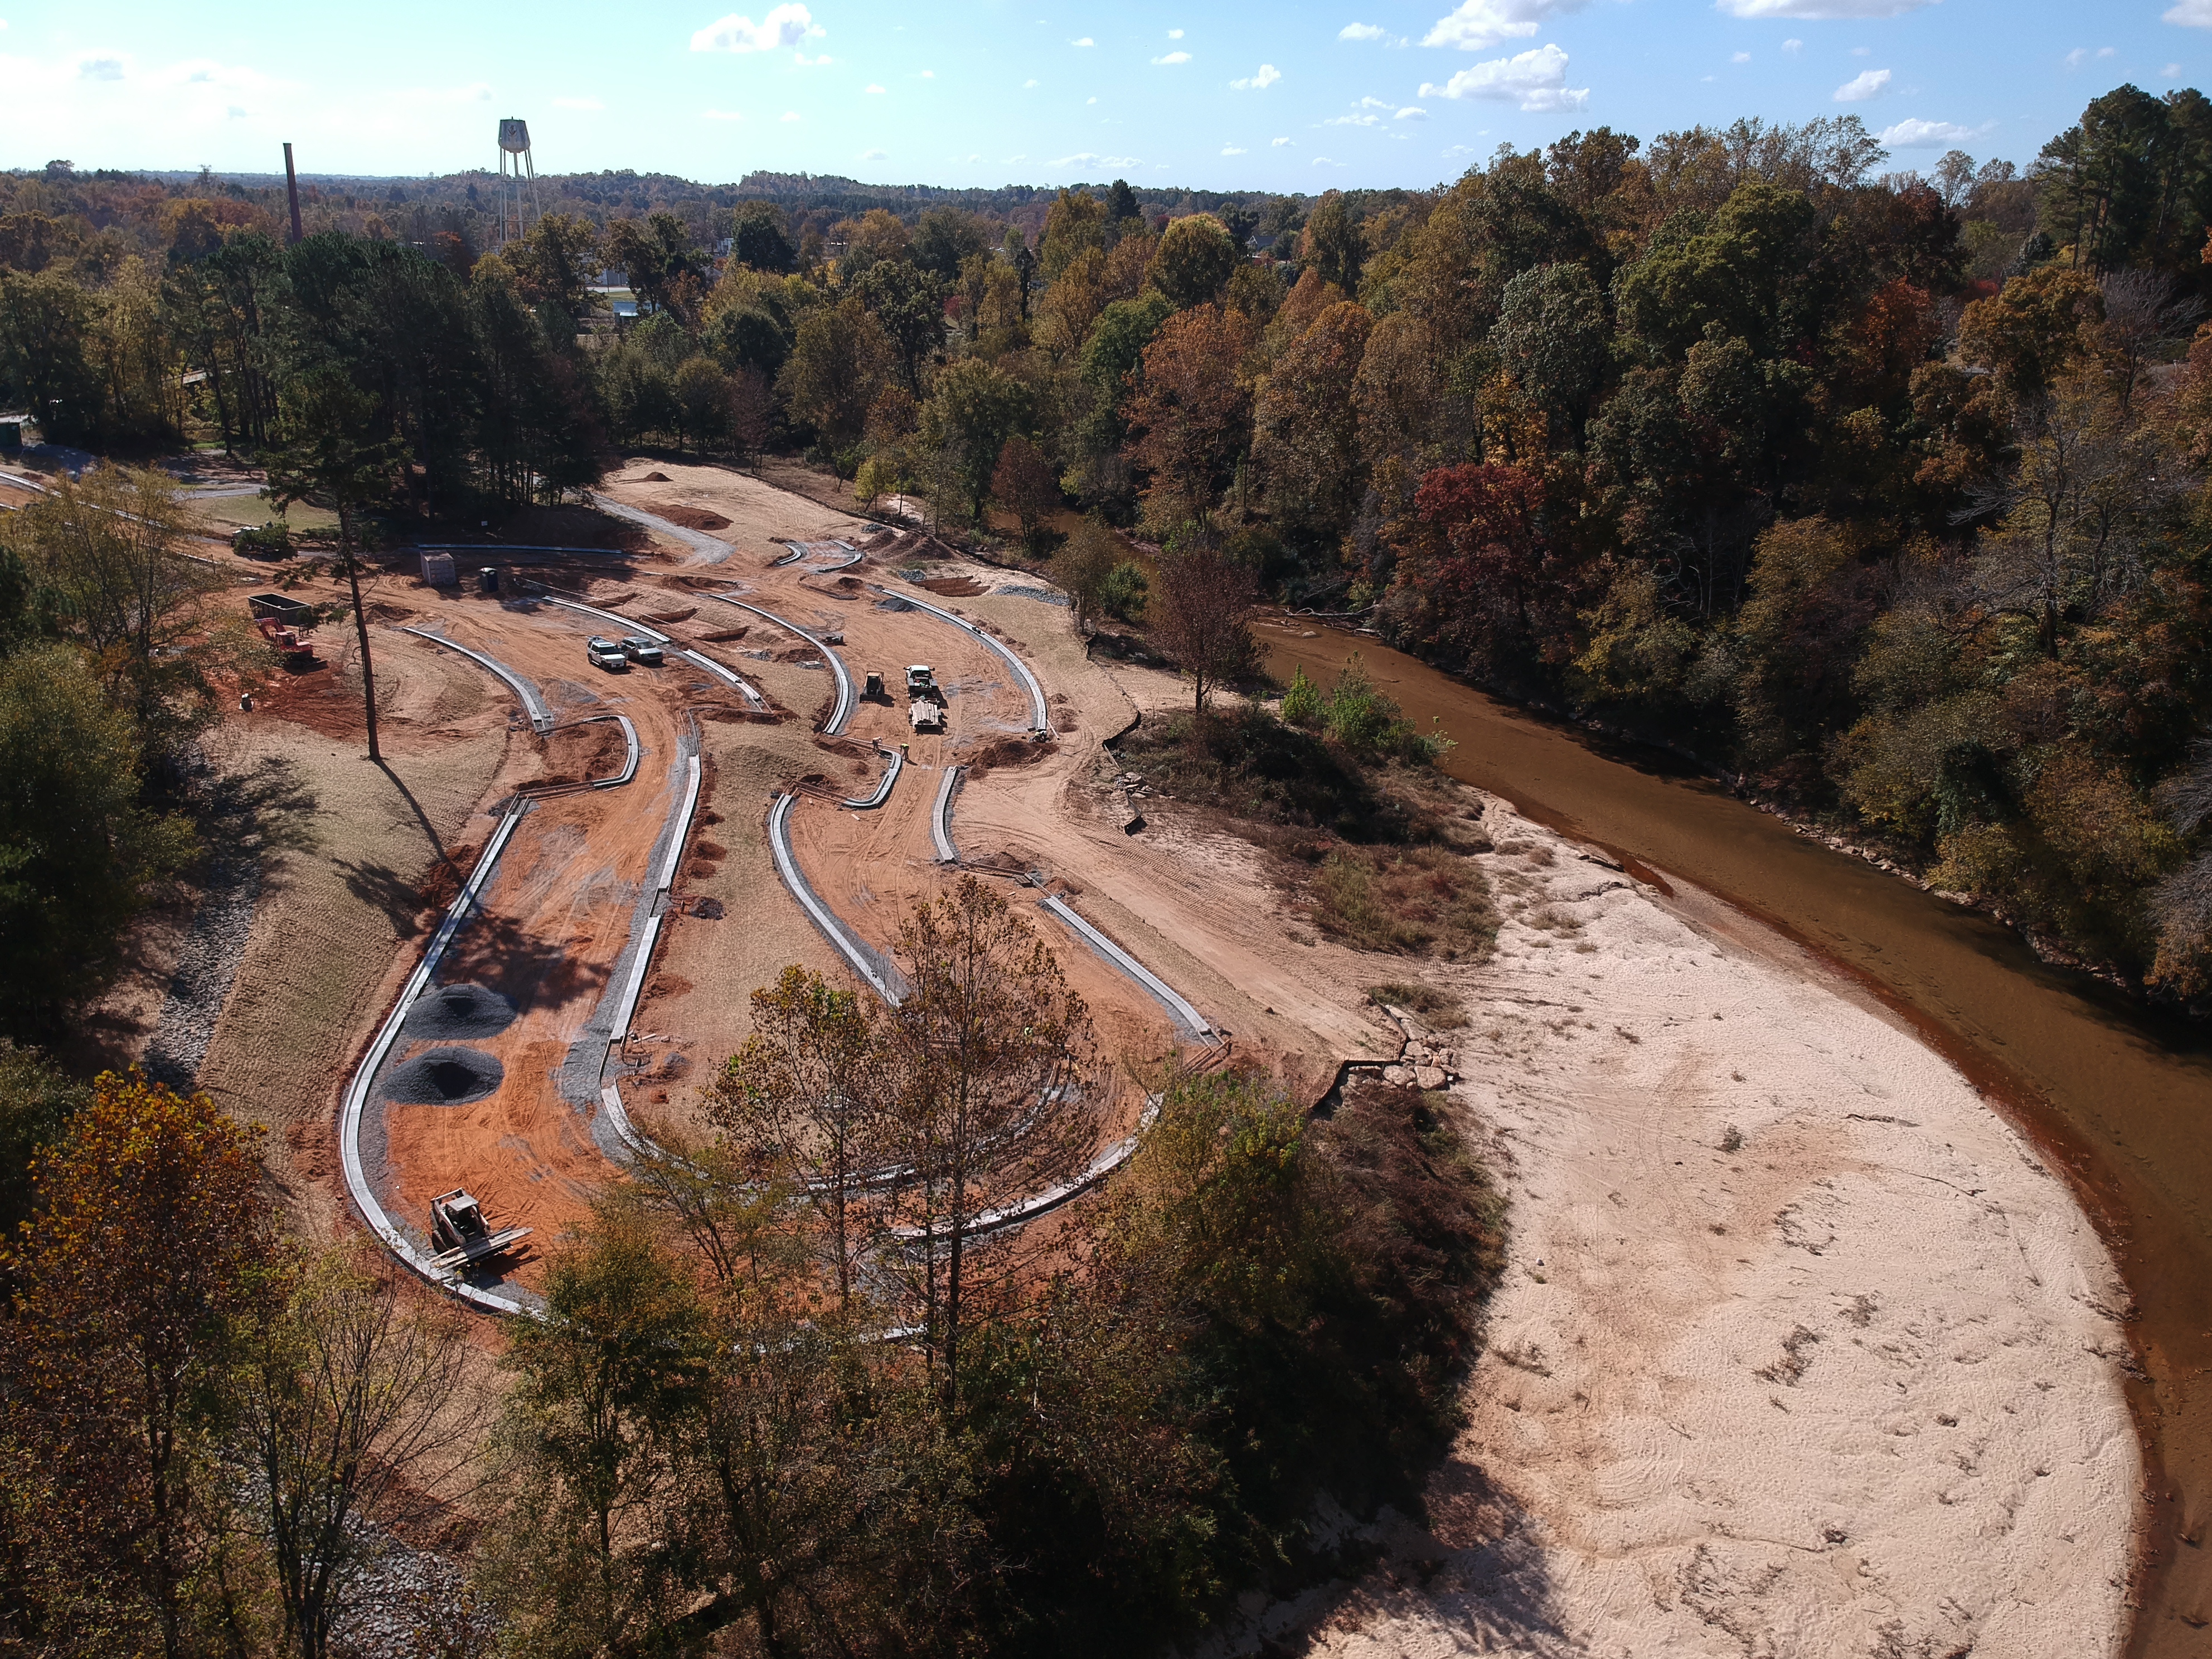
2119,1097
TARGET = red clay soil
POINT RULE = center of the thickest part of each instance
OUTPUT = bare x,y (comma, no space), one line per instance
557,915
694,518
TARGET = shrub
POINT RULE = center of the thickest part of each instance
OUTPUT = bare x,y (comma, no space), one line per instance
1121,595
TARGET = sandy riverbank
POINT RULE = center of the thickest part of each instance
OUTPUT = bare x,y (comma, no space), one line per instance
1801,1349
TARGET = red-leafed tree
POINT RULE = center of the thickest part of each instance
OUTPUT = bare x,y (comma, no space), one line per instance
1478,553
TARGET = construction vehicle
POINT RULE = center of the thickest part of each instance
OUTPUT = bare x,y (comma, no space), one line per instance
638,648
461,1235
924,709
293,644
873,690
606,653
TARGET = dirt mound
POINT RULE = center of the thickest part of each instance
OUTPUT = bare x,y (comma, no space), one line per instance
444,1077
455,1011
1008,751
694,518
683,613
654,477
953,587
700,584
722,636
384,612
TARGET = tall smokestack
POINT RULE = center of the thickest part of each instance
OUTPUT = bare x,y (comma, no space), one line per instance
292,191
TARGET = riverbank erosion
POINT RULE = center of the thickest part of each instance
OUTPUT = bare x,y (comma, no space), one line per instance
1801,1348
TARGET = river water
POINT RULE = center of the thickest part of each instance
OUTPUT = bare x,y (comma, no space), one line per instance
2120,1098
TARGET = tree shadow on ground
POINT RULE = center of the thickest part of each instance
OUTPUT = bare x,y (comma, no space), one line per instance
498,953
384,888
1479,1571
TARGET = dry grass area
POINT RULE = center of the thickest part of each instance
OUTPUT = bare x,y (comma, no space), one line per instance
1411,900
1442,1010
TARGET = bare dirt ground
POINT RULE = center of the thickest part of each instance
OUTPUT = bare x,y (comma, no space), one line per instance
1801,1350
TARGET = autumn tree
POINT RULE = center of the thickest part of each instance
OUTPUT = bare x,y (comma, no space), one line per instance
806,1105
1083,564
974,409
1192,413
1001,1098
348,1415
1306,424
1022,483
836,365
1201,610
151,1243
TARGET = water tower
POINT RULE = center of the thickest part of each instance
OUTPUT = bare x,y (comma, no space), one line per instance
518,181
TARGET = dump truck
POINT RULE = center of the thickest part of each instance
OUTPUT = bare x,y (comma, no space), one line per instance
461,1236
925,708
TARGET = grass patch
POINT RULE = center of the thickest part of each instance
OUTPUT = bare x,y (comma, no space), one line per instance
1410,901
1441,1009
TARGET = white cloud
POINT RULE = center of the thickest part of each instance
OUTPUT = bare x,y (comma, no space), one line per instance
790,115
2190,14
1740,57
1267,76
2077,58
1926,134
805,62
1534,80
1278,144
1456,151
873,87
2106,52
929,74
784,26
1793,46
720,115
874,154
1480,23
1372,32
1819,8
1324,161
1030,82
1091,158
1412,112
1861,51
1232,149
1867,83
1173,58
1089,100
100,68
2171,72
1085,41
1175,34
1372,103
1362,120
578,103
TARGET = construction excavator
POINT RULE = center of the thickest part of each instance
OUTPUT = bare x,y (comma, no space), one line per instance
462,1237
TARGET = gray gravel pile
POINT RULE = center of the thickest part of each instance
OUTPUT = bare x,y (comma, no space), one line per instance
450,1075
213,947
454,1013
411,1604
1043,595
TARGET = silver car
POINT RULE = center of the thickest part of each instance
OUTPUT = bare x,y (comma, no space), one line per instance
607,654
640,649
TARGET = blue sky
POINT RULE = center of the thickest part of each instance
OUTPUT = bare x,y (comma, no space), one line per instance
989,91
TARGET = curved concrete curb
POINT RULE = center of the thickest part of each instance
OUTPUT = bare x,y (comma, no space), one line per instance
1040,716
844,711
882,976
629,760
882,786
631,625
1186,1016
541,717
709,549
940,816
357,1094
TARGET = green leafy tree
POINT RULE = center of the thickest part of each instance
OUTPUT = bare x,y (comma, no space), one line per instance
1331,244
975,408
1194,260
836,367
758,239
908,302
1083,564
80,858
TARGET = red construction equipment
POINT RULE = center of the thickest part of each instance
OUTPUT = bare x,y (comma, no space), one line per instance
295,644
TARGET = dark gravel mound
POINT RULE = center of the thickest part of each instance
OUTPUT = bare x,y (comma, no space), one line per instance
454,1013
443,1076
